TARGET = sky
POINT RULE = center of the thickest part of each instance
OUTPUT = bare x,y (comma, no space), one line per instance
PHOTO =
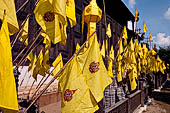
156,15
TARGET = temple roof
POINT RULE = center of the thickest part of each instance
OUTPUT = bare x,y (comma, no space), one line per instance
117,10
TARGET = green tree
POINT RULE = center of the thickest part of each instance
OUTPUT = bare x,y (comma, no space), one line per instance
164,54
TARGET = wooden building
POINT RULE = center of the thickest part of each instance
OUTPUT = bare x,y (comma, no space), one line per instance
117,14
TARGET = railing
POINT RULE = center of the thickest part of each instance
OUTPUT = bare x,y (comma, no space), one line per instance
127,105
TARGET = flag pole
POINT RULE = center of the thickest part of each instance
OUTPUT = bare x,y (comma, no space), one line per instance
26,39
42,83
28,48
22,25
55,77
22,6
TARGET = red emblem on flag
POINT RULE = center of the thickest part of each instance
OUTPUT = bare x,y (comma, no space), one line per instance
68,94
48,62
67,2
94,67
49,16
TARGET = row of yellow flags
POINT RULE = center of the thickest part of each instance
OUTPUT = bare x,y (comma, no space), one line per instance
86,67
52,16
133,58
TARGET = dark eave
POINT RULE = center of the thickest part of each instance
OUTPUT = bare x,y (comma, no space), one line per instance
117,10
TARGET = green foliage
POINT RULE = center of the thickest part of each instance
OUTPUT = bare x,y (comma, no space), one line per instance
164,54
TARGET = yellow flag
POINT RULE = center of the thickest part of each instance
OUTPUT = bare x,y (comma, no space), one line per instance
93,67
139,66
77,47
46,41
46,60
167,66
103,50
70,12
120,51
136,48
132,80
108,31
111,53
11,17
164,67
136,16
38,65
24,34
32,64
30,56
57,64
119,71
8,94
144,28
150,37
51,16
76,96
106,45
158,63
132,53
110,70
140,52
153,52
125,36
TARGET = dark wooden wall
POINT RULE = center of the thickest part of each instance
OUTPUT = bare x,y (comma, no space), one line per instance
74,35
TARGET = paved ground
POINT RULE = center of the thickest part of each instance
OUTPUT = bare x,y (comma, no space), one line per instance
158,107
161,103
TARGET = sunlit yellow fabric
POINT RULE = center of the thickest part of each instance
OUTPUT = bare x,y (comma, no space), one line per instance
103,50
8,94
132,80
119,71
46,41
77,47
57,64
136,48
76,96
51,16
24,34
46,60
140,52
120,51
136,16
119,61
38,65
111,53
110,70
11,17
167,66
30,56
106,45
144,28
92,14
94,70
108,31
70,12
32,64
158,63
125,36
150,36
153,52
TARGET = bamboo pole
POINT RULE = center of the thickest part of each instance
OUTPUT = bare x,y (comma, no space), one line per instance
26,47
55,77
42,83
22,25
23,5
105,22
